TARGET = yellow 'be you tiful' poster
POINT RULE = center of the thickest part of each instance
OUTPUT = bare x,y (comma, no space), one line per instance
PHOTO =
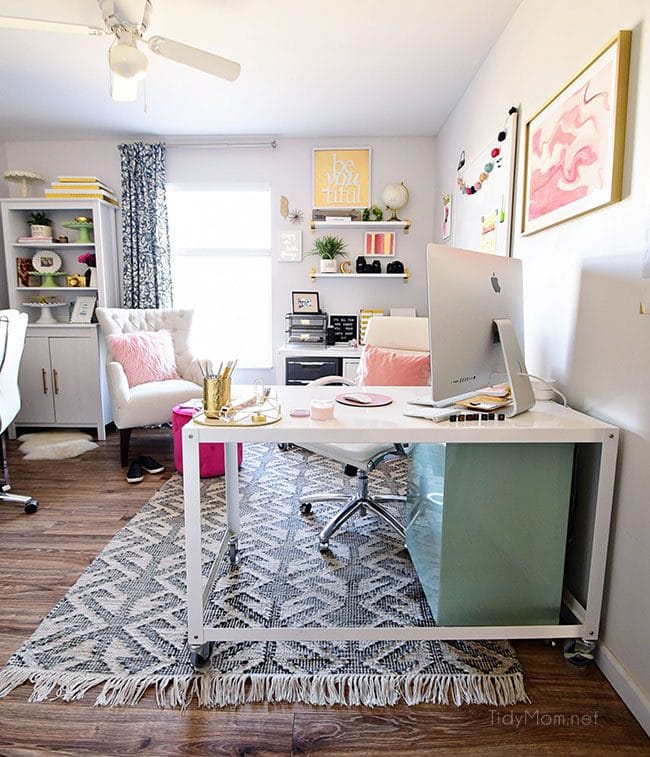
342,178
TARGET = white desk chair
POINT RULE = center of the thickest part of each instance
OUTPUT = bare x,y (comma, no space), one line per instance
13,326
409,336
149,404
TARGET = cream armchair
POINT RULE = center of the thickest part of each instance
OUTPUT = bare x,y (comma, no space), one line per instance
151,403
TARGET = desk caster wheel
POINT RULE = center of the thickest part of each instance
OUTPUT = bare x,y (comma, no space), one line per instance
200,657
31,506
305,508
578,653
323,546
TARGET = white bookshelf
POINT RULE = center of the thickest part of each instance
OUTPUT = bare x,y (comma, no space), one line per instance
62,376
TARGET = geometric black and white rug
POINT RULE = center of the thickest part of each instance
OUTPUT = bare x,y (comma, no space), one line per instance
121,627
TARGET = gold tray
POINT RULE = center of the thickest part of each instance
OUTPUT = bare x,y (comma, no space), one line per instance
201,419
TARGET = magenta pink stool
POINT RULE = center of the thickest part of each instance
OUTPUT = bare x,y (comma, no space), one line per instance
211,456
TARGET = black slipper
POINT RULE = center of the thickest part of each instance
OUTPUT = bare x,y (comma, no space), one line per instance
134,474
150,465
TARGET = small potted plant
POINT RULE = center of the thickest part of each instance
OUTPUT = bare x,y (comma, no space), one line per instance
40,224
328,248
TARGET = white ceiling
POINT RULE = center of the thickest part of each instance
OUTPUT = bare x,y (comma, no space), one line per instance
309,67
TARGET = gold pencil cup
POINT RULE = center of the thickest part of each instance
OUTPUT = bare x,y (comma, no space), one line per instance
216,394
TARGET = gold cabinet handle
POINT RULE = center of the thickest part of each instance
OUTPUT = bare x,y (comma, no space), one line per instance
56,382
43,377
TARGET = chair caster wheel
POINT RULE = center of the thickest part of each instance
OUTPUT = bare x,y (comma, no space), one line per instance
31,506
283,447
305,508
201,657
323,546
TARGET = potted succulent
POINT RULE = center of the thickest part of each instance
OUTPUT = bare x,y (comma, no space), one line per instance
40,224
328,248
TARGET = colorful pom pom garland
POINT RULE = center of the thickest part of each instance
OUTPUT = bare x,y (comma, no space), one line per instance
472,187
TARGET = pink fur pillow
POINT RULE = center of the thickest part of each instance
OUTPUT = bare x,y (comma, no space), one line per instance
144,355
383,367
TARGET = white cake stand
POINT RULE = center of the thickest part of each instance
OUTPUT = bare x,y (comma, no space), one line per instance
46,310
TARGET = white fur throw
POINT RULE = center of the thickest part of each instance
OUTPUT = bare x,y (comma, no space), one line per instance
55,445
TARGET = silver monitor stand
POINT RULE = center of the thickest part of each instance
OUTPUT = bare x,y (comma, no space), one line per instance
521,390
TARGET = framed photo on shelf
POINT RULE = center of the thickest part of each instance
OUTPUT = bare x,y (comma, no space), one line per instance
290,244
46,261
84,308
379,243
581,169
304,302
341,177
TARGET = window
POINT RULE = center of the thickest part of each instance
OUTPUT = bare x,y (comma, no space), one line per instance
220,240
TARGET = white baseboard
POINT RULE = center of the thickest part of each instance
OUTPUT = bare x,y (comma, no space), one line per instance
625,686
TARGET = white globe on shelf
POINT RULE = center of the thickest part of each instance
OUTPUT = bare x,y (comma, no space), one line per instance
395,197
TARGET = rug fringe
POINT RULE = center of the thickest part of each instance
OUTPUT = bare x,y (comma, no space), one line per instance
226,690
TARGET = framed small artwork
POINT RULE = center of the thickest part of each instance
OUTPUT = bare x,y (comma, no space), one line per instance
83,310
46,261
305,302
23,269
576,141
290,244
341,177
379,243
445,226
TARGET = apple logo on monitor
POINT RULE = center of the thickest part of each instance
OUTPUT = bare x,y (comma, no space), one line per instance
494,280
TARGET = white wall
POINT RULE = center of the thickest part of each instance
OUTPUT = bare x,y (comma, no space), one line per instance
288,170
4,298
583,282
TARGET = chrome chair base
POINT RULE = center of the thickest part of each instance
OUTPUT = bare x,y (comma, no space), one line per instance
361,502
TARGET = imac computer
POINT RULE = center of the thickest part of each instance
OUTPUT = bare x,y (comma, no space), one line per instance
475,326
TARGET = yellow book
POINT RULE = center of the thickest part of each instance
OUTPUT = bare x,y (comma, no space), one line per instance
80,179
69,186
366,315
54,195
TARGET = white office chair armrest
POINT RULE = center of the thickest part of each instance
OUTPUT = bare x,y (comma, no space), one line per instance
324,380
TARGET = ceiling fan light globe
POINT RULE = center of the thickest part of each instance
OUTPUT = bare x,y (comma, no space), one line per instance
127,61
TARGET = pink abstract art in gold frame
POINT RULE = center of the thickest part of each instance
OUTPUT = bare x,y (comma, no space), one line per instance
576,141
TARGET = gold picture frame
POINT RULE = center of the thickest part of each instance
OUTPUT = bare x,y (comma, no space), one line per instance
575,142
341,177
75,280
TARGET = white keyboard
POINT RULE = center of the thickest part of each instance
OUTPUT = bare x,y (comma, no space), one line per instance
435,414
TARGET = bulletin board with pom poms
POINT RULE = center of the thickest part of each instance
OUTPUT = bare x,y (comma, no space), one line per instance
484,193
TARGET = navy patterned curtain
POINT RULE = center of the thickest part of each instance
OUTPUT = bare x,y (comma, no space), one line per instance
145,236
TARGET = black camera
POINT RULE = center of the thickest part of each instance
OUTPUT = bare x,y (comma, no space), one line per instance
395,267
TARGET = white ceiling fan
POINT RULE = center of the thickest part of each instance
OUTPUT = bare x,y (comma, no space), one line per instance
127,21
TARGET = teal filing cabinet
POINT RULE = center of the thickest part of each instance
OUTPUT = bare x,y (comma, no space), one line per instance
486,530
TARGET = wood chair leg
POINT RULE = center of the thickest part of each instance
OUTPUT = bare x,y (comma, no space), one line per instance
125,436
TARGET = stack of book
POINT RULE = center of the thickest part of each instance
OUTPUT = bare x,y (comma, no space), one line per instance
31,240
81,187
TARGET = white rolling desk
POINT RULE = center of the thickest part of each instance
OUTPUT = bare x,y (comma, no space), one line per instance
548,422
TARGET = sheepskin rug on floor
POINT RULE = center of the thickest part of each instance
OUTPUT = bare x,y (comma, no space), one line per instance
55,445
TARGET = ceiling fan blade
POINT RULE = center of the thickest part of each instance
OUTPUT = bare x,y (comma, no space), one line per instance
195,58
35,24
123,90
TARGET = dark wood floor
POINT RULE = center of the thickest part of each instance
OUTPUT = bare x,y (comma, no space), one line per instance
86,500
